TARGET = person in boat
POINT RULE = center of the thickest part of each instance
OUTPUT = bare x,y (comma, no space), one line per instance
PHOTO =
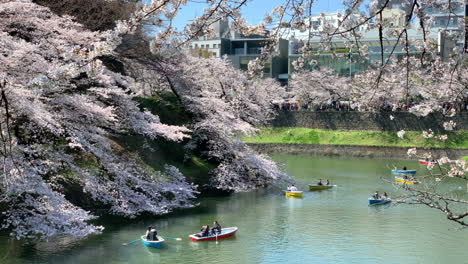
328,182
205,231
385,195
376,195
216,228
148,232
320,182
293,188
289,187
151,234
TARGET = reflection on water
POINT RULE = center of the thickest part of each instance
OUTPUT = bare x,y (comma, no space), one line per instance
329,226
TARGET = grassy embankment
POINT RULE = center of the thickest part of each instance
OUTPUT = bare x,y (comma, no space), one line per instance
456,139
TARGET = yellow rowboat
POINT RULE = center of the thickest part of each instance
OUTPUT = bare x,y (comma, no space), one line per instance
407,181
320,187
296,194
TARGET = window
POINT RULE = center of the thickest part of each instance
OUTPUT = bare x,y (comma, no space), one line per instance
196,45
207,46
214,54
214,46
202,46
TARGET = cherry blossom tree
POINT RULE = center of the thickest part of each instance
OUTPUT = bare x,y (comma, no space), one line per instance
316,87
227,105
59,105
62,107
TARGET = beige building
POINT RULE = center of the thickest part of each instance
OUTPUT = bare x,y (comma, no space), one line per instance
393,18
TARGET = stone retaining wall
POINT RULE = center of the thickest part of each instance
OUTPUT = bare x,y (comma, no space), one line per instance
352,151
372,121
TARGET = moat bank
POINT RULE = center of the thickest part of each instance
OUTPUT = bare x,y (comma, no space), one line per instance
352,150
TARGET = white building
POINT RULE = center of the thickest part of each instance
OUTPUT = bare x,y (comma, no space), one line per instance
320,21
212,46
209,47
394,18
447,20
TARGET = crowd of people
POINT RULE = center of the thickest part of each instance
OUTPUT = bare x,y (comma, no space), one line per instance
350,106
329,106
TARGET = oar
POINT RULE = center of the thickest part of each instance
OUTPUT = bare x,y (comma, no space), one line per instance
216,233
131,242
175,238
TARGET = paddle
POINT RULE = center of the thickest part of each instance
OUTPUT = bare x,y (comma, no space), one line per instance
175,238
216,233
125,244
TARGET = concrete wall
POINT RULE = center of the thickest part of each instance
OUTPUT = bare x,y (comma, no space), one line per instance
374,121
352,151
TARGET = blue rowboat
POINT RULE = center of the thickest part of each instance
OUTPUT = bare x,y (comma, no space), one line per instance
404,171
155,244
373,201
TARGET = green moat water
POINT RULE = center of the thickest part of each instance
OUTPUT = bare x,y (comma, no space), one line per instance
331,226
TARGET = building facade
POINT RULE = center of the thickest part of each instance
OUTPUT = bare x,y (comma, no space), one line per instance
240,49
445,31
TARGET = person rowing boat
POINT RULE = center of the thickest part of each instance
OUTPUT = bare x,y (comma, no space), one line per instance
151,234
216,229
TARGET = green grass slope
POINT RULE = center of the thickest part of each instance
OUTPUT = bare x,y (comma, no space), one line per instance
456,139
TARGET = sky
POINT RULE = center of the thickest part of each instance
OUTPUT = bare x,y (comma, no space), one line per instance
254,11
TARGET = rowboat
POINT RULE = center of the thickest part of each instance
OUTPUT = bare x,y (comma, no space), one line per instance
426,162
407,181
225,232
155,244
373,201
320,187
296,194
404,171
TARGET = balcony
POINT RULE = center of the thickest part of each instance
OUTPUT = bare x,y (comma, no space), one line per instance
250,51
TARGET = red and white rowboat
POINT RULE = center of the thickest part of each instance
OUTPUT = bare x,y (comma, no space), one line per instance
225,232
426,162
